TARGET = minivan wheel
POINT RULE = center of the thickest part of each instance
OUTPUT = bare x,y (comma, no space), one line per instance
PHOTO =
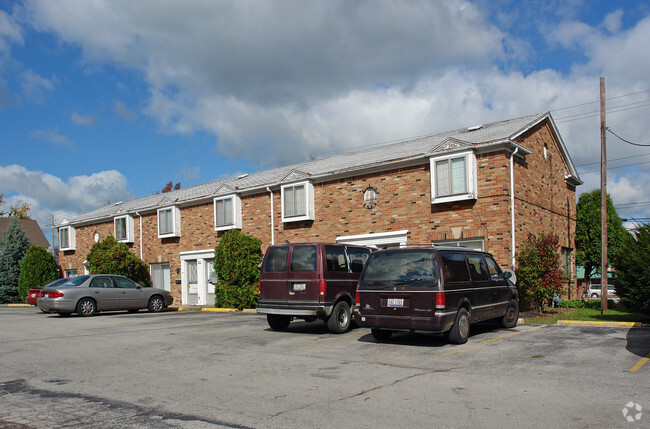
278,322
512,315
460,331
339,321
381,334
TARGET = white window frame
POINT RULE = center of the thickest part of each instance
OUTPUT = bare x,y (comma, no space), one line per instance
236,212
470,178
309,202
128,226
176,222
462,242
71,235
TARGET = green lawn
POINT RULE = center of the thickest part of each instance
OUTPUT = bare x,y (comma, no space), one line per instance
587,314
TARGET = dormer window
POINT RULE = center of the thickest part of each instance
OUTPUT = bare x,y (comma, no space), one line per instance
227,213
123,227
169,222
298,202
67,238
453,177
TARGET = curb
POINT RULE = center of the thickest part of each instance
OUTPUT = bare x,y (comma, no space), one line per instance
606,324
20,305
216,310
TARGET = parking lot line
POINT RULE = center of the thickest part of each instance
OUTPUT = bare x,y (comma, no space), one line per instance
639,364
487,342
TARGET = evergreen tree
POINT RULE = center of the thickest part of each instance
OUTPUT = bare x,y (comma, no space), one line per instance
633,271
37,268
13,246
110,257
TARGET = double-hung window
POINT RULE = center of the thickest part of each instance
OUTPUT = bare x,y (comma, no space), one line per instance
67,239
227,212
453,177
298,202
124,229
169,222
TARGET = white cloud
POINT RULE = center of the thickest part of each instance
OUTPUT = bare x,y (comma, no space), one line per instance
78,195
34,87
52,137
124,112
84,120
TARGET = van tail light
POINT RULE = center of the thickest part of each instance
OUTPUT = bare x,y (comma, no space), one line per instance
323,287
259,287
357,298
440,301
52,294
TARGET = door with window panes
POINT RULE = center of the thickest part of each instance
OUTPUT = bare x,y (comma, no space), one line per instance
192,282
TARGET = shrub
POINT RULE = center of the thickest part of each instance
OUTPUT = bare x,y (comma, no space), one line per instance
539,275
13,246
593,304
37,268
110,257
633,271
236,261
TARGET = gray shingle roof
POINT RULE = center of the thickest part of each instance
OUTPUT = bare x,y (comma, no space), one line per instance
405,150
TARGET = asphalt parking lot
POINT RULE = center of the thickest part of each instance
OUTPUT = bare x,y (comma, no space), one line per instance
205,369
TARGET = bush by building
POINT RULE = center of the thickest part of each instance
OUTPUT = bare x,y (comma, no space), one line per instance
110,257
37,268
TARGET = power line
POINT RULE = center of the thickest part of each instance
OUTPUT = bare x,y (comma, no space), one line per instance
614,168
614,159
626,141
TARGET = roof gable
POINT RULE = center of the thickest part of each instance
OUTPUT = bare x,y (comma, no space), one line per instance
31,228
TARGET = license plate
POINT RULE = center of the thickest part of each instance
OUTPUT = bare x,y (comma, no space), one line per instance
396,302
299,287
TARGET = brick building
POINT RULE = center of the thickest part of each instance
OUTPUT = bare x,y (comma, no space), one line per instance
485,187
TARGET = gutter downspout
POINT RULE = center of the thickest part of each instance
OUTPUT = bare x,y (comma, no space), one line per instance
140,234
512,204
272,217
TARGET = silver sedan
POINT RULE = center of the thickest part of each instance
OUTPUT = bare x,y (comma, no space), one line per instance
90,294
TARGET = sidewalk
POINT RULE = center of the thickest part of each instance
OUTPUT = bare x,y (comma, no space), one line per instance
208,308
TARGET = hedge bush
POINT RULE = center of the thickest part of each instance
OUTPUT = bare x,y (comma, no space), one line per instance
110,257
236,261
37,268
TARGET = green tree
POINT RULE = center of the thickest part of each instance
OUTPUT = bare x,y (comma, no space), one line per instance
588,232
236,261
633,271
539,273
110,257
13,245
37,268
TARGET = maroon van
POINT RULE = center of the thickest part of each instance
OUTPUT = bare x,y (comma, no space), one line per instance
438,290
310,281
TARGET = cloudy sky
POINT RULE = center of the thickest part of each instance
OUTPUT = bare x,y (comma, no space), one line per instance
110,100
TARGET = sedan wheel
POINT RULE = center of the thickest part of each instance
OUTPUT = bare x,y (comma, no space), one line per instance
86,307
156,304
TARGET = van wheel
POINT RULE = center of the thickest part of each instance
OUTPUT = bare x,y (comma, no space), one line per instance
278,322
381,334
594,295
460,331
339,321
512,315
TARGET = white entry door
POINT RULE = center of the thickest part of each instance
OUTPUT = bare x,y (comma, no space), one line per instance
196,270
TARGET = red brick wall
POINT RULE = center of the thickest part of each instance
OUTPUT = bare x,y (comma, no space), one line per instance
543,203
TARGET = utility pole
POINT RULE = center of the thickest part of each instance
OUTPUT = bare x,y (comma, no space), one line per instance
603,199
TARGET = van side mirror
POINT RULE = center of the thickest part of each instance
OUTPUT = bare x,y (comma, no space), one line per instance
507,275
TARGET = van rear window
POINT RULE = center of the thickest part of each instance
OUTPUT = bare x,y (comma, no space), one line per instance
276,261
416,269
303,259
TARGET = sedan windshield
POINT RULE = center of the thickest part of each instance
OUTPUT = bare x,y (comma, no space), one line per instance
413,269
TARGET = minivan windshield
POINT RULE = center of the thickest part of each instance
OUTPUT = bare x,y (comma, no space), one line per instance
417,269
